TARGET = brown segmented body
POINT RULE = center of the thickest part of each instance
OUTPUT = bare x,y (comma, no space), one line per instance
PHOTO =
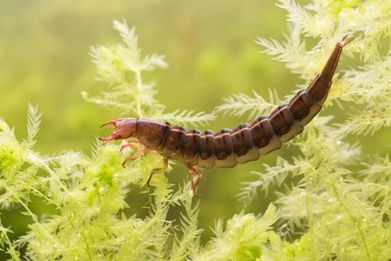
247,142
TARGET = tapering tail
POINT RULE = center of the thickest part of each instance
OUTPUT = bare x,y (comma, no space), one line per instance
320,86
331,65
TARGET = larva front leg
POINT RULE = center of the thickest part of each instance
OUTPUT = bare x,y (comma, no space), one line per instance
125,145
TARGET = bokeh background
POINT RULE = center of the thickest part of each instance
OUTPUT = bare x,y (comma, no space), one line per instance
209,45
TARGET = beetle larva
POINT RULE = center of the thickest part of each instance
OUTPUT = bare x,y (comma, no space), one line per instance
226,148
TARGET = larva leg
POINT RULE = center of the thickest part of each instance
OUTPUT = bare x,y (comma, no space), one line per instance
165,165
194,181
131,145
132,158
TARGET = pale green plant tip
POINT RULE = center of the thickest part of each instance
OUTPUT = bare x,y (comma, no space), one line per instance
34,120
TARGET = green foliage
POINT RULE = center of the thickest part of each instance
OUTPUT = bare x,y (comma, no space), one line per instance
242,238
240,104
121,67
335,205
337,200
89,192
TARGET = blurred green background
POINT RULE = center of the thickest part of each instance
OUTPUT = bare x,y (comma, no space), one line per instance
209,44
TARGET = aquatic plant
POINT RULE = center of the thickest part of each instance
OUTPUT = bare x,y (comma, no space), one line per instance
336,205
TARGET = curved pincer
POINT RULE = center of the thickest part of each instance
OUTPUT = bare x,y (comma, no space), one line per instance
113,136
109,138
109,122
123,129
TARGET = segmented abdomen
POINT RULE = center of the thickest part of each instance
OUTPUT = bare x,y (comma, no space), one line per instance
247,142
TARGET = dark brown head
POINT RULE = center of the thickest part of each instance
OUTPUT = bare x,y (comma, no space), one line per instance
123,128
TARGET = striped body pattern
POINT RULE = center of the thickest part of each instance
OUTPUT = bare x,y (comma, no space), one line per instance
247,142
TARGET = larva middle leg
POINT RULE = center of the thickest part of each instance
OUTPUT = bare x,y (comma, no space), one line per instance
156,170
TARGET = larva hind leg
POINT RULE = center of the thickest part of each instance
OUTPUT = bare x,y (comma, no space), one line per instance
194,181
154,171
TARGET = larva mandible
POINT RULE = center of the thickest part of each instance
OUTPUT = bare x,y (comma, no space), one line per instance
227,148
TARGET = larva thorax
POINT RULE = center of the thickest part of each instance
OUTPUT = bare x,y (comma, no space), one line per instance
227,147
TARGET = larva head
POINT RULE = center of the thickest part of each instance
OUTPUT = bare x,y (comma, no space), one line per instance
123,129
